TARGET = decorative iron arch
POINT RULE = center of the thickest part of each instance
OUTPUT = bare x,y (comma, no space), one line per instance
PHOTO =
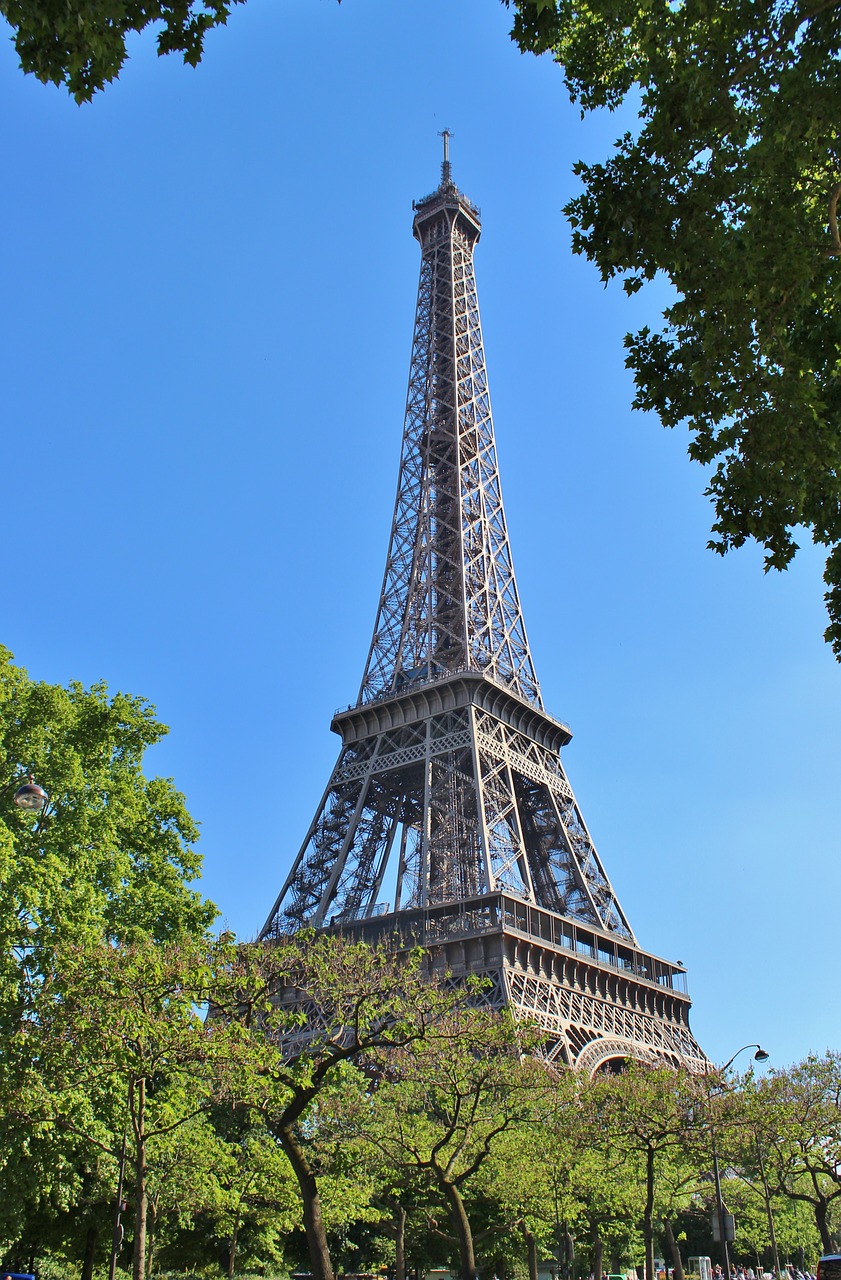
595,1054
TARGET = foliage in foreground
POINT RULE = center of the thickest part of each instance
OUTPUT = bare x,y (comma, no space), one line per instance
337,1111
96,907
412,1141
82,43
730,188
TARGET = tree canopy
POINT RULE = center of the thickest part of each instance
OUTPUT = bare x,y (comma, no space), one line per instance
729,187
446,1101
101,874
82,43
319,1007
113,853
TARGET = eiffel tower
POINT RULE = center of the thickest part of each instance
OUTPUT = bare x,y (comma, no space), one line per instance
448,820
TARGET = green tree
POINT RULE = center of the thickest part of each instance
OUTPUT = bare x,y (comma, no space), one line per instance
113,853
797,1118
315,1007
729,188
110,859
679,1185
534,1172
183,1180
117,1038
794,1224
60,1201
646,1117
447,1100
258,1200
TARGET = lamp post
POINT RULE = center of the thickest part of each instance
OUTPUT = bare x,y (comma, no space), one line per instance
31,797
759,1056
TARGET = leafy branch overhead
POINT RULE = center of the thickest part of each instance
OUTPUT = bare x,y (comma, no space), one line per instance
82,43
730,187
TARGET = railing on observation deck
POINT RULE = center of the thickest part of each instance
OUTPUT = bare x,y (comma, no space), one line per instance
452,922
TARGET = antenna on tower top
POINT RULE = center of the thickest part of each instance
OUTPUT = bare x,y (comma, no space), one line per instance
446,176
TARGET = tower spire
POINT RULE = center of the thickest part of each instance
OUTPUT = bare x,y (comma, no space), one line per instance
446,175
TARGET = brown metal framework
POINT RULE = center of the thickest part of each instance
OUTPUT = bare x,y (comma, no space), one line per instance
449,802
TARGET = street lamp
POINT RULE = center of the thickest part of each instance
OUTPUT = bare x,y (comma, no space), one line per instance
31,796
759,1056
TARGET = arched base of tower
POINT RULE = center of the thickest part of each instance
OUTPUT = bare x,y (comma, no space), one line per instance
610,1055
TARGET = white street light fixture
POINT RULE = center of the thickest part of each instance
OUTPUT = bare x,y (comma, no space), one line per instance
31,797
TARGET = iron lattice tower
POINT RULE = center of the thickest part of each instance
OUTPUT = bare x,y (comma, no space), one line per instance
449,798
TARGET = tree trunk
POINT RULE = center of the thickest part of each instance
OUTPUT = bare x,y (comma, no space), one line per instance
91,1237
461,1226
677,1261
322,1267
648,1216
531,1251
598,1252
138,1270
152,1222
822,1224
232,1250
400,1243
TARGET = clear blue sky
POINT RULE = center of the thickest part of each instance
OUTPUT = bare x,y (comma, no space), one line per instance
208,292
